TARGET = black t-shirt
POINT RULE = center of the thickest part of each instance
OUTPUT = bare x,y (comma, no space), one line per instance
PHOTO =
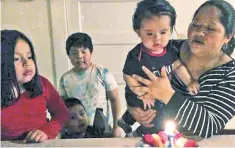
139,57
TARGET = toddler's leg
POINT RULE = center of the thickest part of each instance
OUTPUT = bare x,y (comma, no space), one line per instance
126,121
142,130
159,118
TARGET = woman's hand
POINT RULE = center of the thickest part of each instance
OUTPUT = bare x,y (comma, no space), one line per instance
36,136
141,116
156,87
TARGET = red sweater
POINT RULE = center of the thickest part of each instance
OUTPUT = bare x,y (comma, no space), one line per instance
28,114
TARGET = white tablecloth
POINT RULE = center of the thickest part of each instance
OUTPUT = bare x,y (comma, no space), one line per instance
215,141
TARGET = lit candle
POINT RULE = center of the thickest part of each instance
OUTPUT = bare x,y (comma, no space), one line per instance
170,132
170,128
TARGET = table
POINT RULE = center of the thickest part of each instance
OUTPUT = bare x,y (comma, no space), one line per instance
215,141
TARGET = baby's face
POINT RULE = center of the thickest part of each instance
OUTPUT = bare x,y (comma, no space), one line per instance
78,121
155,33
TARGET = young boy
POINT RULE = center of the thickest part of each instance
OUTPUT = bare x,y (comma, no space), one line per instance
92,84
77,125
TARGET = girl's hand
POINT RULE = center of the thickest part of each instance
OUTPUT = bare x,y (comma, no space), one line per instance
116,132
36,136
141,116
156,87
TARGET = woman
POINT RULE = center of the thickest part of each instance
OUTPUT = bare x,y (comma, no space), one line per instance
206,54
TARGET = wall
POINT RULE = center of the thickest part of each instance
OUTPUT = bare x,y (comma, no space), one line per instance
33,19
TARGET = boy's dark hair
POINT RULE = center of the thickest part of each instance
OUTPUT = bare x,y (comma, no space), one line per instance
9,39
79,40
70,102
227,19
149,8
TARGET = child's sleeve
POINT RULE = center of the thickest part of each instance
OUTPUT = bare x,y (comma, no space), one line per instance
131,63
109,80
132,66
56,107
62,90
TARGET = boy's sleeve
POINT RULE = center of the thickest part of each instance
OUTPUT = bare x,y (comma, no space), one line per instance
62,90
56,107
109,80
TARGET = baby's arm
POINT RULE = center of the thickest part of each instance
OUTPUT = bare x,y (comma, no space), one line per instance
181,71
131,82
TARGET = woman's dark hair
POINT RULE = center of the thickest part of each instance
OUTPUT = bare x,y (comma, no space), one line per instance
79,40
71,102
10,91
149,8
227,19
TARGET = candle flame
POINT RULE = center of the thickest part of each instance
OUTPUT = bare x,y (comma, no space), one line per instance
170,127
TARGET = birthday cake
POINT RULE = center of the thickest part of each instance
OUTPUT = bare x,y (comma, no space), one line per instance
168,138
163,140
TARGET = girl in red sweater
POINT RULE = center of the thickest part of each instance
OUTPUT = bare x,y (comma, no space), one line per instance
25,95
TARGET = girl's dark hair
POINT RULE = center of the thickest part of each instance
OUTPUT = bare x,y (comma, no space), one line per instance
227,19
71,102
149,8
79,40
9,39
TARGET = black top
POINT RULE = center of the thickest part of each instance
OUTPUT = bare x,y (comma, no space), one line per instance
139,57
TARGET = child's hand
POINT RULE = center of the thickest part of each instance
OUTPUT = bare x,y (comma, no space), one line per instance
36,136
116,132
148,103
193,87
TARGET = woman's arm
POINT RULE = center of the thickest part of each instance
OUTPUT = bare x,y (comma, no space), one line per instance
131,82
141,116
205,117
208,116
156,87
